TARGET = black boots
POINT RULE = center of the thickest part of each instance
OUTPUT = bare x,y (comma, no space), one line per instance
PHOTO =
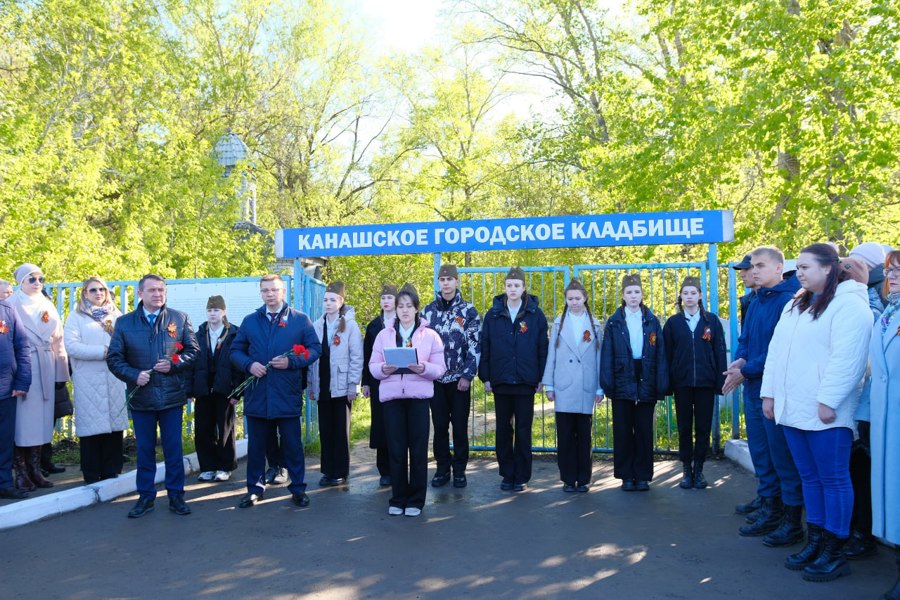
768,518
790,531
806,557
894,592
860,545
749,507
687,477
830,564
699,479
20,462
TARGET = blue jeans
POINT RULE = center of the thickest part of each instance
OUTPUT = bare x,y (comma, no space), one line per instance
823,460
290,429
769,451
169,421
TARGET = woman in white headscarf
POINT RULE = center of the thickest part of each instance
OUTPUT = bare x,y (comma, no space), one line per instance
49,369
100,414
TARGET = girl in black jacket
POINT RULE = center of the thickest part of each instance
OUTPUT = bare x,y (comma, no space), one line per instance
633,376
695,350
514,347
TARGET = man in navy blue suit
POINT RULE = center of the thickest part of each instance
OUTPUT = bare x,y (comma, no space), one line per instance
265,347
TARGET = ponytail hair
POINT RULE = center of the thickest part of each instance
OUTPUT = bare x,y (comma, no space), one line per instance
342,323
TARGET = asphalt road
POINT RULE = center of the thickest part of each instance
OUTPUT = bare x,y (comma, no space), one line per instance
478,542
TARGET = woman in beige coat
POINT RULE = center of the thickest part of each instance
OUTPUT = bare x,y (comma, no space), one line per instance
100,414
49,369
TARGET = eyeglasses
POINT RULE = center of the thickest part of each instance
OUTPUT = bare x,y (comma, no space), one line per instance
95,290
34,279
889,271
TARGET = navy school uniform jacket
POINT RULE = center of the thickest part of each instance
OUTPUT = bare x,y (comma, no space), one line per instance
695,359
279,394
617,377
514,353
217,366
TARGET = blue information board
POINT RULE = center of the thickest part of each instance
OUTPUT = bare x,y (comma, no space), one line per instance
630,229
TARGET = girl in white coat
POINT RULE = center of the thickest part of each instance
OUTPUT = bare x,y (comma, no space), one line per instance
100,414
571,381
333,381
811,384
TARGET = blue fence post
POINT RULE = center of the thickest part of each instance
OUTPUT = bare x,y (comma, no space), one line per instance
733,320
437,268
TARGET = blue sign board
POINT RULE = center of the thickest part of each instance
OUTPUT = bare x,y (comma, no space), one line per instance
630,229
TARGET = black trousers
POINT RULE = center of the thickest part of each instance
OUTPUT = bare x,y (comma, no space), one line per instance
514,411
274,449
334,433
694,411
633,439
406,423
214,419
450,406
377,435
101,456
861,478
573,447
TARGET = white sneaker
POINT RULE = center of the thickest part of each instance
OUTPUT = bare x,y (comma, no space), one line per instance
413,511
206,476
395,510
223,475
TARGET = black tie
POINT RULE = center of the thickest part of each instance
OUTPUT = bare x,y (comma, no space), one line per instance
273,316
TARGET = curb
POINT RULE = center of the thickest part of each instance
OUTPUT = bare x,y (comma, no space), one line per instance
58,503
739,453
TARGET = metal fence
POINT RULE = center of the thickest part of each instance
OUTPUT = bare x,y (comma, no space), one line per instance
661,284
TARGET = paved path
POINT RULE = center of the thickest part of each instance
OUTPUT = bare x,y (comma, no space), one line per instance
478,542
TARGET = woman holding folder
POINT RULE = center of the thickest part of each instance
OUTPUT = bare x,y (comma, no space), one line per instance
405,393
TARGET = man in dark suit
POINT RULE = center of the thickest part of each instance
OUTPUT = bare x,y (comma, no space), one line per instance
15,379
152,350
268,347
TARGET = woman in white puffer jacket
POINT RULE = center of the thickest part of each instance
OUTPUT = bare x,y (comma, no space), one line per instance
811,384
100,414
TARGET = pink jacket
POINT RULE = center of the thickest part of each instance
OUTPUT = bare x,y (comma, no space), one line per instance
430,350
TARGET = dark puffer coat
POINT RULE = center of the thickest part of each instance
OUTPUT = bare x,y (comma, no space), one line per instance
514,353
695,359
136,347
617,376
225,376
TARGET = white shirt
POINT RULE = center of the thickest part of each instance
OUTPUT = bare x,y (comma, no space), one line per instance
214,335
578,327
513,311
635,323
692,320
405,333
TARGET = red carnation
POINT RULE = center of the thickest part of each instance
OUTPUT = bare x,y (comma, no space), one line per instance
179,346
176,358
300,350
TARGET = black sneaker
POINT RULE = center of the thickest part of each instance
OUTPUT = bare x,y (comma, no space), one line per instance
459,481
506,486
301,500
384,480
440,479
